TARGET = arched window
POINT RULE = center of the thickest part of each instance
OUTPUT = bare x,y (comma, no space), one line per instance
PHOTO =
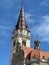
13,43
43,61
35,60
24,43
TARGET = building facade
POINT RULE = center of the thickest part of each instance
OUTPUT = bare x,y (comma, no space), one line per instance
21,53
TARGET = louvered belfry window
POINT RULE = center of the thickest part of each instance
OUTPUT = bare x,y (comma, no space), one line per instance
24,43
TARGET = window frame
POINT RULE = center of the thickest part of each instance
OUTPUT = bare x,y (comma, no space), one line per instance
23,42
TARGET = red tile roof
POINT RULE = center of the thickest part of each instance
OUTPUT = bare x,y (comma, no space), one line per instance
27,50
35,52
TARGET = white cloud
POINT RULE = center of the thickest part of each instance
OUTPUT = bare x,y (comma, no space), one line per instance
4,27
43,29
4,33
4,21
8,3
29,18
45,19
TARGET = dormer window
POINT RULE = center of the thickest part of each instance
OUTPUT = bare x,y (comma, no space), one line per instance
35,61
43,59
35,58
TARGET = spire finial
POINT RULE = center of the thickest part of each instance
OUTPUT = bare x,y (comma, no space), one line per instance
22,2
36,36
37,43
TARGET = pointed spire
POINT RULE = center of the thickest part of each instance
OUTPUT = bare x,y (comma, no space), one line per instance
21,20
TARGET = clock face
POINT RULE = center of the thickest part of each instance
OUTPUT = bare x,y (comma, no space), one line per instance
24,32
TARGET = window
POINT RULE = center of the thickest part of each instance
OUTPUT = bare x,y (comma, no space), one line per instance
24,43
43,59
35,58
14,44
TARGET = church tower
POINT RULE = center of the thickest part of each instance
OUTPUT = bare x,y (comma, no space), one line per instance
21,53
21,32
20,37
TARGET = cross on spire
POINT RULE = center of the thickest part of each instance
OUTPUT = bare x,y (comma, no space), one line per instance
21,24
36,36
22,2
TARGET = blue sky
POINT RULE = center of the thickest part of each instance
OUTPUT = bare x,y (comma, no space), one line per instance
37,18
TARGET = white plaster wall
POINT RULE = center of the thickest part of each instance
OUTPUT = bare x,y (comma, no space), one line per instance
28,43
